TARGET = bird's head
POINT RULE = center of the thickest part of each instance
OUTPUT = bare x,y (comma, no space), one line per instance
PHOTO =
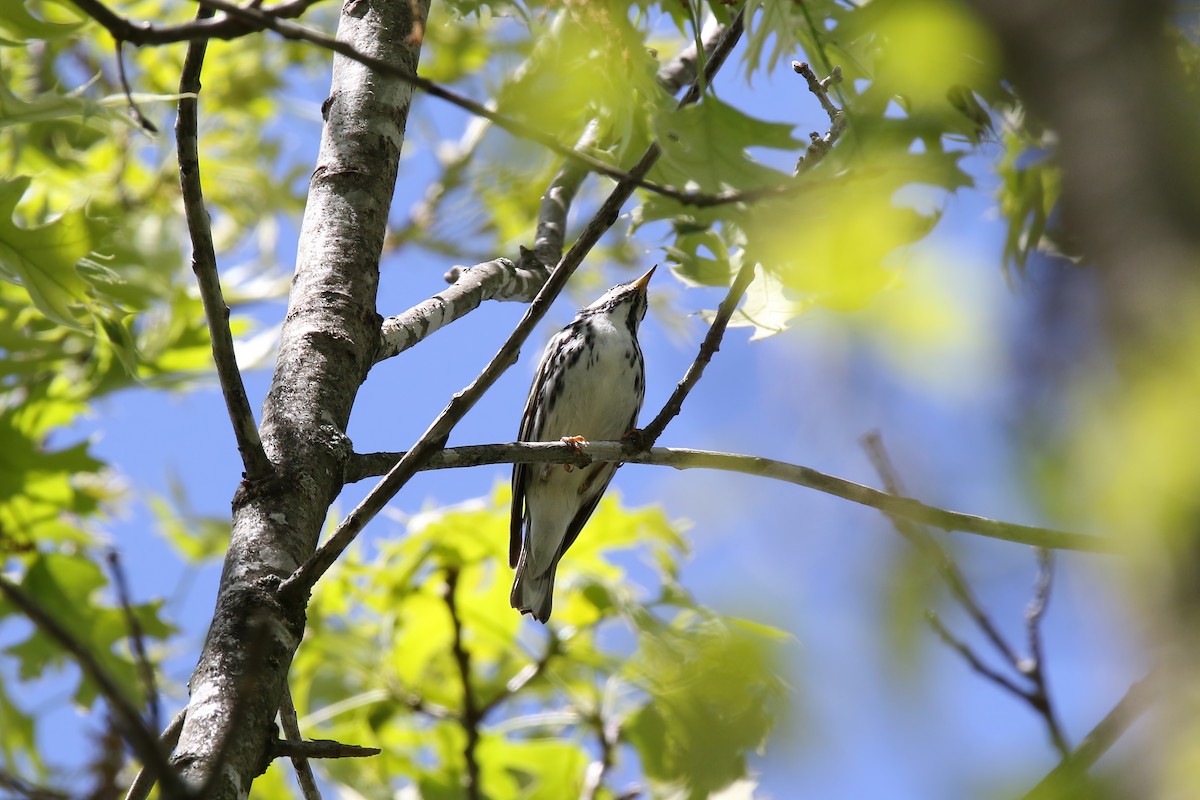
625,300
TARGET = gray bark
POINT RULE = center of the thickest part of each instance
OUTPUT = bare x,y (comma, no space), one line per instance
329,341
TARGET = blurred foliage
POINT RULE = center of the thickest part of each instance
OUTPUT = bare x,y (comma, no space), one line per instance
96,296
679,690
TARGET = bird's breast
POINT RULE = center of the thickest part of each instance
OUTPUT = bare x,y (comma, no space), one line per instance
599,391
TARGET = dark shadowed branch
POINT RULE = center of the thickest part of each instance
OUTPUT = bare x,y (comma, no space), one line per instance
203,27
471,718
137,642
320,748
133,727
134,110
204,265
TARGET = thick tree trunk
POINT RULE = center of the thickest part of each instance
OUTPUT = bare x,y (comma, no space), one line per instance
328,344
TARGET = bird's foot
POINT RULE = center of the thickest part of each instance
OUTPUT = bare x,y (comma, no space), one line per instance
577,443
635,438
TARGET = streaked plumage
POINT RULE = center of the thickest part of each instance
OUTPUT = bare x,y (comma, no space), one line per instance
590,383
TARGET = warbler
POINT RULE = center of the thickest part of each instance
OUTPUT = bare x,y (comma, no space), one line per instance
589,385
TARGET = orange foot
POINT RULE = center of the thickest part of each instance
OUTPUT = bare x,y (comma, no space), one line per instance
577,443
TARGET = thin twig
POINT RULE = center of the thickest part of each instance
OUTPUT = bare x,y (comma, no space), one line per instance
144,781
144,33
134,111
524,677
372,464
501,279
968,655
498,279
291,729
708,348
319,748
941,559
290,30
819,146
1034,667
137,641
470,715
609,735
133,727
1098,741
204,265
19,787
434,438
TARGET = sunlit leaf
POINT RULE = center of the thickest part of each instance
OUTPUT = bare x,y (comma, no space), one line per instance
43,258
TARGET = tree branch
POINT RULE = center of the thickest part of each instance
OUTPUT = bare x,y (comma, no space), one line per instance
319,748
819,146
145,33
708,348
133,727
1128,710
136,641
368,465
329,335
500,278
609,735
1032,668
290,30
204,265
144,781
471,717
291,729
937,555
301,582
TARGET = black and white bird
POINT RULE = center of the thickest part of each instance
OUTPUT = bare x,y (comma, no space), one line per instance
589,385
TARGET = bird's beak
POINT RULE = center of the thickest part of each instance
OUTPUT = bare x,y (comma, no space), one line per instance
643,281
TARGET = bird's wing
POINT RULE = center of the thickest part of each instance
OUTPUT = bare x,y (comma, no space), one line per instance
520,475
599,482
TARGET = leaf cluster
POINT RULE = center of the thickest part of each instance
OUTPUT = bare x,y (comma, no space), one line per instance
656,678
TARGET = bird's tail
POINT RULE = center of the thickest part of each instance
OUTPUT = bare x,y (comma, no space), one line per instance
533,594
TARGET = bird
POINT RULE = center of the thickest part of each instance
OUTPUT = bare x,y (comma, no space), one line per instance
589,385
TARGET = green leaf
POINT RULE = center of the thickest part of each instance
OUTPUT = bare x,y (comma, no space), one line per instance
713,697
766,307
16,21
64,587
43,258
17,732
705,146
